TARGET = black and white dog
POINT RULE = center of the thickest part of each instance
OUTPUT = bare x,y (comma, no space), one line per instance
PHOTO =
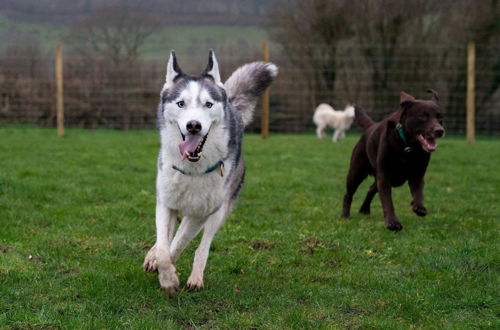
200,165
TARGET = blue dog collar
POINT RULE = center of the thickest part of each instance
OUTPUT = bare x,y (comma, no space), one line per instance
219,165
401,133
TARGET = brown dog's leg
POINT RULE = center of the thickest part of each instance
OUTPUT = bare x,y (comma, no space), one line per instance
384,189
365,208
354,179
417,191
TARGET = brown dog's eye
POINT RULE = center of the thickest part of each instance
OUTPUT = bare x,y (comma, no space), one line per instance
423,116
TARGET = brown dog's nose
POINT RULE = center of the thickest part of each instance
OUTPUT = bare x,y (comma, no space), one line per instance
193,126
438,132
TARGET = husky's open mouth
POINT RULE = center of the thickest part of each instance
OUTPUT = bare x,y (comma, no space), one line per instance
428,143
192,147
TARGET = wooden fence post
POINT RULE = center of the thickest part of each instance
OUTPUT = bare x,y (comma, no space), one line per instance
264,125
59,91
471,58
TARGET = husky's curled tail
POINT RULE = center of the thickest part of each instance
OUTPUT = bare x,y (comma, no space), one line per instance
362,118
246,84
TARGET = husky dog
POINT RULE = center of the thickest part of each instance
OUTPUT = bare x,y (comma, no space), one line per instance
340,121
200,165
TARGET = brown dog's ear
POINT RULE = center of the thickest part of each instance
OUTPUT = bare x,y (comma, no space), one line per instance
435,96
405,99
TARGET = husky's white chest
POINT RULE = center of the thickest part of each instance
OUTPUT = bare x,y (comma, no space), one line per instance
196,196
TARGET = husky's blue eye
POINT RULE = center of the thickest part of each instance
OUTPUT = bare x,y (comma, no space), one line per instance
180,104
209,104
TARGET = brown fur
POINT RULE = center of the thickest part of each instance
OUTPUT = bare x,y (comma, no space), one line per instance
381,152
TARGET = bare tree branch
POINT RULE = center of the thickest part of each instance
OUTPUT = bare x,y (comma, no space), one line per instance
117,33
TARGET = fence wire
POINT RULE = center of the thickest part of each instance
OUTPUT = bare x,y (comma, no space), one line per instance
99,93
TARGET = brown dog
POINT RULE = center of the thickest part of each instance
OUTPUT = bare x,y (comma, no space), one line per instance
395,150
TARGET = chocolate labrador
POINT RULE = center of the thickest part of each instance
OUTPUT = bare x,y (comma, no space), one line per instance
395,150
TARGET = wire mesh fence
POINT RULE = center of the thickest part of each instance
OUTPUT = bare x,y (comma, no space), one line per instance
99,93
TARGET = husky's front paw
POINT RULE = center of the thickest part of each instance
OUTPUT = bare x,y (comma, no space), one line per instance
195,282
168,280
149,264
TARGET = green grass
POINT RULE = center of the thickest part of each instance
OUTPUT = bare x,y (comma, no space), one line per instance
82,207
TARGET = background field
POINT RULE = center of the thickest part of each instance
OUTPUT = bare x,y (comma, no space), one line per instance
76,218
182,38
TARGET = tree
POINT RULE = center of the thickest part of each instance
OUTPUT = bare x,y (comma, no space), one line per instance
390,30
310,32
116,33
110,41
318,36
402,45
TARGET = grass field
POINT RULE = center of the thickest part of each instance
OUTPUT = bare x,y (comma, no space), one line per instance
76,219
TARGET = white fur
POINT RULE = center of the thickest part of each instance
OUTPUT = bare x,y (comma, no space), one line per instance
340,121
214,72
171,74
239,84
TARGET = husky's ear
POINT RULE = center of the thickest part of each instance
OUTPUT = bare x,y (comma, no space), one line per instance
435,96
173,71
212,68
405,99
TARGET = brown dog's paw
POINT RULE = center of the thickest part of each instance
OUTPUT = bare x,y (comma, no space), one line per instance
364,210
419,210
394,226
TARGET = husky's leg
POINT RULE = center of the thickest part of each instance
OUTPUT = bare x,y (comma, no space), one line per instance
158,257
188,229
342,134
150,264
195,281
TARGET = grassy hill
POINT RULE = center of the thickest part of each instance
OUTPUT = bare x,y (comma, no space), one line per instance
182,38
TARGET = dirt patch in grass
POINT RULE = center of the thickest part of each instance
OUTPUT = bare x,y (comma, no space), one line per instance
310,245
262,245
352,310
6,249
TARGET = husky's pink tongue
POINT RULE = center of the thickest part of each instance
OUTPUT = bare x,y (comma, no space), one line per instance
189,145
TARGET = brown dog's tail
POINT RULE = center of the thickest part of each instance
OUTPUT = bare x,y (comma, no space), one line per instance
362,118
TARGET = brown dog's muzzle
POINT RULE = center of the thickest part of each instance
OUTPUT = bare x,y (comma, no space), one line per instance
438,131
428,140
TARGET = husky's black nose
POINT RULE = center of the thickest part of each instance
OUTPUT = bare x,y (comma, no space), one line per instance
193,126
